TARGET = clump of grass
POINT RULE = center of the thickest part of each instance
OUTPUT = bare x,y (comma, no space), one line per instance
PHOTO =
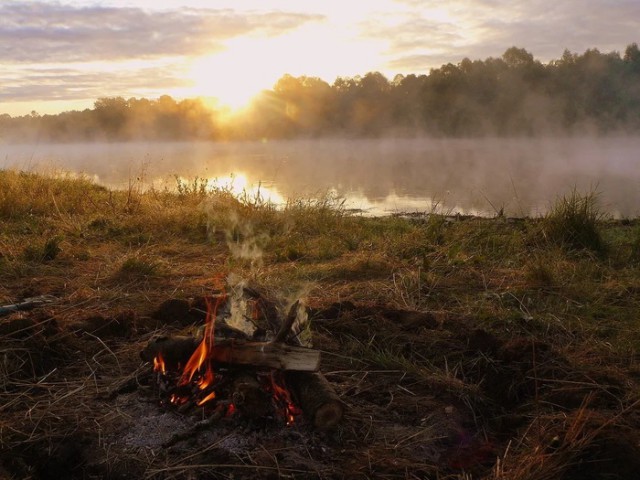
196,188
413,288
135,266
573,223
43,252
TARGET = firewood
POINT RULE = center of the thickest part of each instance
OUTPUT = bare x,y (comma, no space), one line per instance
174,350
285,328
248,396
317,398
177,350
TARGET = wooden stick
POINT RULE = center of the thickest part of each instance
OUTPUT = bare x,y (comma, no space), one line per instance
27,304
285,328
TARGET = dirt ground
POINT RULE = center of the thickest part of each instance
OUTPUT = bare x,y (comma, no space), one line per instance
427,395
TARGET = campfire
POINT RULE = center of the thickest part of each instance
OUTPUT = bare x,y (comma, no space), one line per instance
247,361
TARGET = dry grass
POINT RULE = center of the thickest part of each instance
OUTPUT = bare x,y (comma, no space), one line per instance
467,340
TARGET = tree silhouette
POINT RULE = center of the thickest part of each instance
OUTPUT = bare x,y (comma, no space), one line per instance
514,94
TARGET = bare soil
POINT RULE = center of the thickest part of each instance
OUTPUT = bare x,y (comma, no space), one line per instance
79,403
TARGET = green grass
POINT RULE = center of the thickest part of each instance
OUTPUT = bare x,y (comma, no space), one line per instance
459,265
573,222
568,284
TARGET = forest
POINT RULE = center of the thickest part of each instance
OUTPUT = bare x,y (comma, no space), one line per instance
514,95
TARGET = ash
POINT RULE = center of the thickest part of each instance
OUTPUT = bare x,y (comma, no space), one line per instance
153,431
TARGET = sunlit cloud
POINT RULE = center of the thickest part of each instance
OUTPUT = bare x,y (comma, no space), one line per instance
53,32
69,82
429,33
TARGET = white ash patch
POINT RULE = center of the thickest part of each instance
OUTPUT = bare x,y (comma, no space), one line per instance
153,430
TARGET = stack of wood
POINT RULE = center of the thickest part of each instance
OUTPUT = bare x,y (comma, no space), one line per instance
247,358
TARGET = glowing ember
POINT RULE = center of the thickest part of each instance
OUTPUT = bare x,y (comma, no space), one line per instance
177,400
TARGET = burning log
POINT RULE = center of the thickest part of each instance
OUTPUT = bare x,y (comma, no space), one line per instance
174,351
249,397
317,398
177,351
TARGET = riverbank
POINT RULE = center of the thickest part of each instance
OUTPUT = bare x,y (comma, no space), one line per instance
453,341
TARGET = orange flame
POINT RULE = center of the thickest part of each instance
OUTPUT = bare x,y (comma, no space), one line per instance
206,379
282,395
201,354
159,365
211,396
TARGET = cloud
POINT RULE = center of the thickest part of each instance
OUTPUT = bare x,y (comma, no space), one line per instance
56,33
417,63
420,33
427,34
45,84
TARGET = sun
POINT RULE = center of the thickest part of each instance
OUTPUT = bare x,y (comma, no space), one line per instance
247,65
229,77
211,81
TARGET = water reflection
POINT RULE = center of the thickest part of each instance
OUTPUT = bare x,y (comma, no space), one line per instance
237,184
479,176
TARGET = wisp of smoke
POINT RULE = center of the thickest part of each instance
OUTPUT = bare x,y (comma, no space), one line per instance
239,310
244,242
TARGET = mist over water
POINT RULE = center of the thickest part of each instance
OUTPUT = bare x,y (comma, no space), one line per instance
379,176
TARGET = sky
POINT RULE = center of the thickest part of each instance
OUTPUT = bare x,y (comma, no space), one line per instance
63,55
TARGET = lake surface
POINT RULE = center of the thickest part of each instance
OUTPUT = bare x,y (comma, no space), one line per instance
468,176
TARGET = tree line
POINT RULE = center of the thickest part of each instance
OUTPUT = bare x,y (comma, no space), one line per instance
512,95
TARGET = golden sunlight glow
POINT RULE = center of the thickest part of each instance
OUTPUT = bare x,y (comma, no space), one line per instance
240,187
230,81
251,64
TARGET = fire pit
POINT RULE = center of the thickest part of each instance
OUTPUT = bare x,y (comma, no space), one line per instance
239,364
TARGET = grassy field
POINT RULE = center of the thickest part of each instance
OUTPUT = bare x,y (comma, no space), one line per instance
463,347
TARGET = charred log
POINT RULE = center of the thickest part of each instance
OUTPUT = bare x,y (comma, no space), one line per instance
248,396
317,398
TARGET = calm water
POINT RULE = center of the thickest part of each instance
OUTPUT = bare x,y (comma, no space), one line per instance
478,176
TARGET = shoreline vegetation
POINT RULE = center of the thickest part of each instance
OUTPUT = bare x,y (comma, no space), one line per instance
514,95
487,347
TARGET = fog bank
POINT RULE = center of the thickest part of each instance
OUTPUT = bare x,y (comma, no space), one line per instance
479,176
